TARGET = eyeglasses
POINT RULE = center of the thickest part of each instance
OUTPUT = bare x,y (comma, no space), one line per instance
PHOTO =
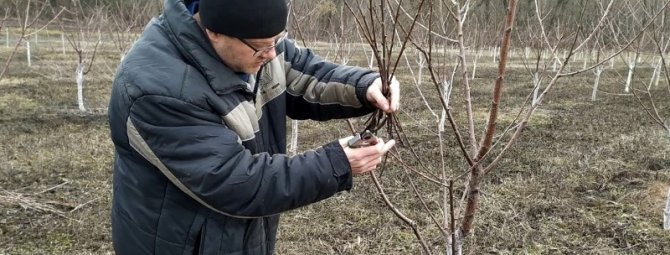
258,52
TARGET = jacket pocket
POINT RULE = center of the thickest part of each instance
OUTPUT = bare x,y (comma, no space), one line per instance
194,238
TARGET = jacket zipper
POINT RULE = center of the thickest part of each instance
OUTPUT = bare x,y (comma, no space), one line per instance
258,82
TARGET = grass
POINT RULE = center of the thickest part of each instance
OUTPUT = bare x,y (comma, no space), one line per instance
585,177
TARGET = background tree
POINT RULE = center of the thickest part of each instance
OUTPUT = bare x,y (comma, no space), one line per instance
84,40
28,15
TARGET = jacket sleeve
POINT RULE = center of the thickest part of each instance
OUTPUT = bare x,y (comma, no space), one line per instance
321,90
205,159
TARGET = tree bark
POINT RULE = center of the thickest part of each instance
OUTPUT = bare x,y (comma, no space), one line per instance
80,87
666,214
598,72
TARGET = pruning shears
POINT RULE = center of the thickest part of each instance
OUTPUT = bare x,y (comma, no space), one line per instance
363,139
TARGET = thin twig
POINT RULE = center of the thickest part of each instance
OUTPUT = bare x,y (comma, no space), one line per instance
54,187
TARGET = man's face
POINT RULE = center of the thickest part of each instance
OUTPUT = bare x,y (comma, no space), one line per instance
243,55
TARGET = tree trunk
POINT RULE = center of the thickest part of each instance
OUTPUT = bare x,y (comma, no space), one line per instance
455,247
629,80
80,87
418,79
28,52
632,63
598,72
293,148
62,40
371,62
536,86
656,75
666,214
474,64
446,92
554,67
526,53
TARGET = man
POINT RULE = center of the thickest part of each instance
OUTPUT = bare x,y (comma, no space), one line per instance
198,119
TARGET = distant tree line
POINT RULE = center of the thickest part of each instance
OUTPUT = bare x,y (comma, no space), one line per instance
329,19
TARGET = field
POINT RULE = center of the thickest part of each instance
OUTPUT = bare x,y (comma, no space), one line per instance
585,177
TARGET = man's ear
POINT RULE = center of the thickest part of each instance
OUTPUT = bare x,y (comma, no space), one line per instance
213,36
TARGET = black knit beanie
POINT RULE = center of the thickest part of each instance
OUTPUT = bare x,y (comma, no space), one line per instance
245,19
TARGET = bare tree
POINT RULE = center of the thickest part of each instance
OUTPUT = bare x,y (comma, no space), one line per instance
28,13
560,38
646,100
84,40
125,19
378,24
4,18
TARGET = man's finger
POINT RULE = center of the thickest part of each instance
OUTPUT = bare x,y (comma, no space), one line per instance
379,99
387,146
395,95
344,141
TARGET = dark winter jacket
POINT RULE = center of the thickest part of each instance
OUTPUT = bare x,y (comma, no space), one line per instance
200,165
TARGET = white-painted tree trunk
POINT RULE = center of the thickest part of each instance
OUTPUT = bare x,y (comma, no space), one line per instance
28,53
666,213
421,62
474,63
629,80
418,78
526,52
579,55
7,38
632,63
446,92
293,147
598,72
80,87
554,67
371,61
536,85
344,58
458,243
655,77
586,60
62,40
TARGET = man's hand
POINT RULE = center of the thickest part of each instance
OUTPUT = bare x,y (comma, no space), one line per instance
365,159
375,96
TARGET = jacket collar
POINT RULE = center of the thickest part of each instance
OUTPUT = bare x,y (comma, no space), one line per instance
189,38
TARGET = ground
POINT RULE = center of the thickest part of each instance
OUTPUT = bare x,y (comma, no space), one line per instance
584,178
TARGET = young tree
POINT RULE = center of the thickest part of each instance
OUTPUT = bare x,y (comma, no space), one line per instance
560,36
658,39
84,39
4,18
27,13
125,20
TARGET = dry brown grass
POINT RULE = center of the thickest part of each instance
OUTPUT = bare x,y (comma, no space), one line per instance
585,178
